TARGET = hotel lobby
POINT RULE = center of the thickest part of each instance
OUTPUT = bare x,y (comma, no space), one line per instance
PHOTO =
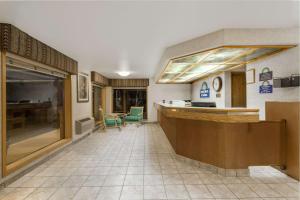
151,100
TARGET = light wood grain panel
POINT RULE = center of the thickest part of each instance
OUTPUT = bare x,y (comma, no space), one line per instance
167,125
38,154
290,111
68,107
3,111
99,79
226,145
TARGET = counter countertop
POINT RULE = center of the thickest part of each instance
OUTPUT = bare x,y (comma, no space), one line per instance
230,115
210,109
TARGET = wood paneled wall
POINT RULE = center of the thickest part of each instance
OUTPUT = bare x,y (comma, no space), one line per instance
129,82
15,41
290,111
99,79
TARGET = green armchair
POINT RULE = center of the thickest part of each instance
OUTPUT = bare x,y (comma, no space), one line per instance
135,115
110,120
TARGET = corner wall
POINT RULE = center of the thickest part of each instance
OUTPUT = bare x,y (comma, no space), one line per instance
158,92
80,110
282,64
224,100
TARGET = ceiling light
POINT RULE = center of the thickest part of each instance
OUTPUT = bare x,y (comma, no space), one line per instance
191,67
123,73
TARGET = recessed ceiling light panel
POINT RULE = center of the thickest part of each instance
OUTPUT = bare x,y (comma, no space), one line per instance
186,69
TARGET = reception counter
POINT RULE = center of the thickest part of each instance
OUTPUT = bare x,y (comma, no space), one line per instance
226,140
229,115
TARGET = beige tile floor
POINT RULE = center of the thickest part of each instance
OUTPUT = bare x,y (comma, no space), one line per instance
138,163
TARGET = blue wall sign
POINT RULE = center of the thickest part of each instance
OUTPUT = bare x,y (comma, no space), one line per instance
266,88
204,91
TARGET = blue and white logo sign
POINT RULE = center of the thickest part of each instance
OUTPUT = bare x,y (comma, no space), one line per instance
204,92
266,74
266,88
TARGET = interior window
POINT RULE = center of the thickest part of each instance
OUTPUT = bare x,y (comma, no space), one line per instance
35,111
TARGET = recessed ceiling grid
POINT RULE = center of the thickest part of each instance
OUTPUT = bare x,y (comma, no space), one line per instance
188,68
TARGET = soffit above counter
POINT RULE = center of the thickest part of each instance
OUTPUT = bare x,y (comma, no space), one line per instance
15,41
101,80
220,51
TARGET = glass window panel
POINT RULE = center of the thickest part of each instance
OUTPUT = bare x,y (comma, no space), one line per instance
177,67
257,53
199,69
35,112
118,101
168,76
186,77
224,54
97,102
213,60
191,59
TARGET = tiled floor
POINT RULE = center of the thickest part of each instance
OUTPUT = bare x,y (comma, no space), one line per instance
138,163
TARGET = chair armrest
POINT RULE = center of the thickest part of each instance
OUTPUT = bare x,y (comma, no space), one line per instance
110,116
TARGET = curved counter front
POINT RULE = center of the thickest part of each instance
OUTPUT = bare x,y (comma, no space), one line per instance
226,140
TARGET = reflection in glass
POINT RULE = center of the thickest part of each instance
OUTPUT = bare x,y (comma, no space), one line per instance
118,101
34,112
177,67
191,59
97,102
224,54
199,69
167,77
256,54
186,77
124,99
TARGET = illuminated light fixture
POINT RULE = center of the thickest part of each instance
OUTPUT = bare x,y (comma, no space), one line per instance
186,69
123,73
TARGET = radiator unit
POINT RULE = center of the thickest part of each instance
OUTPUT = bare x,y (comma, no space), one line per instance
84,125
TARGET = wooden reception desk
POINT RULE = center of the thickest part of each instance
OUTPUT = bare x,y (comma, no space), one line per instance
227,138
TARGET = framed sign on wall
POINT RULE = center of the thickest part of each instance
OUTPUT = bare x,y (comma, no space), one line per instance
204,91
250,76
82,88
266,88
266,74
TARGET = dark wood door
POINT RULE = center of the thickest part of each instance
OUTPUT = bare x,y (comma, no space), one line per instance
238,89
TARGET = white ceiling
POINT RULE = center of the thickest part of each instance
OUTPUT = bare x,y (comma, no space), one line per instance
113,36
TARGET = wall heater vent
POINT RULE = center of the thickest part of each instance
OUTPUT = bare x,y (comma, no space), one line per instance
84,125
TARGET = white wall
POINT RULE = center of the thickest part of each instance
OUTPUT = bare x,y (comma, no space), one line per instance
80,110
159,92
282,64
224,100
